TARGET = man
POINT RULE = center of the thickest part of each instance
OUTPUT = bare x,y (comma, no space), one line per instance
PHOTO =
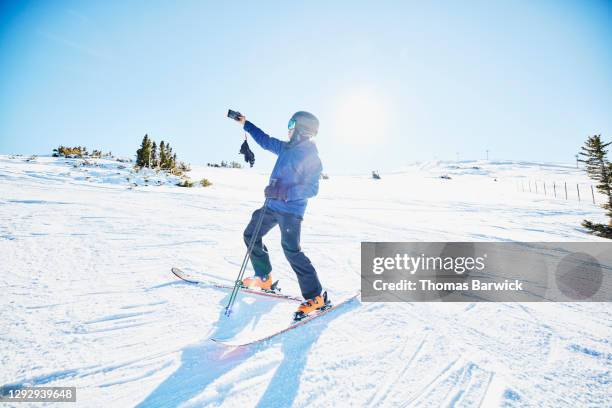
294,179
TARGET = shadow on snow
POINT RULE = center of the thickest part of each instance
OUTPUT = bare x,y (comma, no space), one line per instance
202,364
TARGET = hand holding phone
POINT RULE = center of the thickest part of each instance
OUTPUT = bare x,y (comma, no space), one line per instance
237,116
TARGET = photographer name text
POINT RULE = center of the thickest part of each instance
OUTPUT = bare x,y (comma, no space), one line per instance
429,285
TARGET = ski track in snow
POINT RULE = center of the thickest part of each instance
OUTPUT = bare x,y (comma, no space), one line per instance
88,299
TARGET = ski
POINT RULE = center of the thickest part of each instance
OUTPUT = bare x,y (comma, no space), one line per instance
212,284
294,325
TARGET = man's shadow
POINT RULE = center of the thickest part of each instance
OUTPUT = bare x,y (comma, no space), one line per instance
295,345
203,363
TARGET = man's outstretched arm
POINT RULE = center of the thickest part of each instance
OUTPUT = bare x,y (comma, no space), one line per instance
269,143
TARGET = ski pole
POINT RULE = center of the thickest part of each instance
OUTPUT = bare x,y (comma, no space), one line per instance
245,261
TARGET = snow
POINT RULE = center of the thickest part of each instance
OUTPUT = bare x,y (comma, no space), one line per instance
88,299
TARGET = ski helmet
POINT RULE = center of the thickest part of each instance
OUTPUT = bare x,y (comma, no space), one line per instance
306,125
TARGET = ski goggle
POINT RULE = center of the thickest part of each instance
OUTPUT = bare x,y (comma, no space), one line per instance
291,124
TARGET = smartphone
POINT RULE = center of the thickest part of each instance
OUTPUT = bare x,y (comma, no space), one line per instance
234,114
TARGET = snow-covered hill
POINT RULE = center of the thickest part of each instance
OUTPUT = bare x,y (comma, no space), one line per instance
88,300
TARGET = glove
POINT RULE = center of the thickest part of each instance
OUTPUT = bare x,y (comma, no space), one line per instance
277,192
249,156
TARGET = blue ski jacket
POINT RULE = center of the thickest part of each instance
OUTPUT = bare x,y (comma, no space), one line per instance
297,169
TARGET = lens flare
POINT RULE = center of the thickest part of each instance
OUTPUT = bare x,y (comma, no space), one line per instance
361,118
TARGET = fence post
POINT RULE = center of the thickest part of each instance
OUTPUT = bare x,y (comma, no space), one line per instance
544,188
530,186
578,190
565,184
555,188
592,194
536,183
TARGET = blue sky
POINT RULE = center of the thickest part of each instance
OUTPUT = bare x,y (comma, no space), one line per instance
392,82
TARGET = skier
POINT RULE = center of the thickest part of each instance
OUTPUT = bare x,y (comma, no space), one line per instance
294,179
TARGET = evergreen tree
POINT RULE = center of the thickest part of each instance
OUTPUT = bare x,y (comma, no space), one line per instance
143,155
599,168
168,162
139,161
154,155
149,155
162,154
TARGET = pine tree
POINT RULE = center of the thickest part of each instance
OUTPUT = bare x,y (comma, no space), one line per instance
168,162
599,168
162,154
154,155
143,155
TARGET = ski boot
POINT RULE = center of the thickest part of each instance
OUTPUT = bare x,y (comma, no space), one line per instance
319,303
264,284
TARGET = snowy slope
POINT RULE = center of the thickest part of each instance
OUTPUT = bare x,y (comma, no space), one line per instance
88,300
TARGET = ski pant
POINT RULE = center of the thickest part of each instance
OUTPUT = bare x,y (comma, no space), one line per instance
290,227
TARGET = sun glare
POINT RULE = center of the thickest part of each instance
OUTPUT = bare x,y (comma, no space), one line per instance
361,119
